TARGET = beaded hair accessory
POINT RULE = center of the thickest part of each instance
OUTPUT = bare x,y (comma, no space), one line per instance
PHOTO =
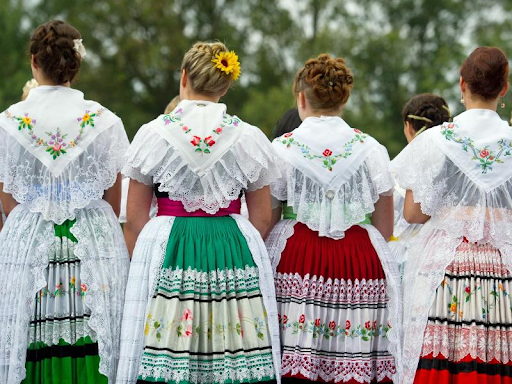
228,63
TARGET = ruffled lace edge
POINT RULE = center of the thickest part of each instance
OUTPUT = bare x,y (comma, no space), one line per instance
249,165
105,180
393,284
88,253
18,332
277,239
297,188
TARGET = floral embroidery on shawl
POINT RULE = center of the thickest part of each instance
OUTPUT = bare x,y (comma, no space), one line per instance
201,144
485,157
55,144
327,157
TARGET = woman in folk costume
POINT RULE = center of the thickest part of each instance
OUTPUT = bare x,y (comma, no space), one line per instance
457,282
336,286
200,302
63,260
420,113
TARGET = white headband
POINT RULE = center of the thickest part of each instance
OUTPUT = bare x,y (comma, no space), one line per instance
79,47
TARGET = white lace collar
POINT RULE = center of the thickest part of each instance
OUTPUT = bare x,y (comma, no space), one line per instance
55,124
479,142
326,149
201,131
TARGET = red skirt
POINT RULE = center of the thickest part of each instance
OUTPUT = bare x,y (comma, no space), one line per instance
332,305
468,337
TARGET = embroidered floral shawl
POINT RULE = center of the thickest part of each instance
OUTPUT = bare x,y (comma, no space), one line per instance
55,124
333,174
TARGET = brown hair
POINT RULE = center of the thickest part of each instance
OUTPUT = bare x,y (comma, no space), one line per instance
325,81
204,77
52,46
423,107
485,71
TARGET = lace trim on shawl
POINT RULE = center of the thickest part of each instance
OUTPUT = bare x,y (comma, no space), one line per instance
390,267
145,270
84,180
332,211
277,239
266,278
104,263
455,203
249,165
21,250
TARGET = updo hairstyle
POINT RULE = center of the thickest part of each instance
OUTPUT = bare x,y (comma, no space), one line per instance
204,78
52,46
424,107
486,72
325,81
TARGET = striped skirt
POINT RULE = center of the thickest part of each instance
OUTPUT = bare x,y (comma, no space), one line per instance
468,337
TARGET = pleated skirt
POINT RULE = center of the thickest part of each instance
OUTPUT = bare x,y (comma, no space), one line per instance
332,305
468,337
206,321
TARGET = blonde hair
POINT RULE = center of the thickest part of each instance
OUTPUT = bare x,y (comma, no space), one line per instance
172,105
204,77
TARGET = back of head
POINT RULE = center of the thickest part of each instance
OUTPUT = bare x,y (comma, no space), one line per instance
325,81
287,123
426,110
206,76
485,71
52,45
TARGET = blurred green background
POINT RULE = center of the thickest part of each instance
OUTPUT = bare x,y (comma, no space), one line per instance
396,48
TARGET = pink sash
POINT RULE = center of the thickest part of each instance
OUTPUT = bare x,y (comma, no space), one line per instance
168,207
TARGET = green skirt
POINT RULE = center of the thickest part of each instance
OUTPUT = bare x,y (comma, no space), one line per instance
60,315
207,322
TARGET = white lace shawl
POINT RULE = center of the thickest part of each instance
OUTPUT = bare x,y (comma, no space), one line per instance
331,200
27,241
249,163
461,206
83,180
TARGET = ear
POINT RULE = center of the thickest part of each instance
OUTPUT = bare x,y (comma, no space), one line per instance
462,83
505,89
301,100
409,131
33,62
184,78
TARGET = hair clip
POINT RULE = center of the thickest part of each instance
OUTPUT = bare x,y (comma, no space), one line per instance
78,46
422,118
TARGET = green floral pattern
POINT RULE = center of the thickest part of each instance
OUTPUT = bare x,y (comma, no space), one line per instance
328,158
184,327
485,157
56,144
201,144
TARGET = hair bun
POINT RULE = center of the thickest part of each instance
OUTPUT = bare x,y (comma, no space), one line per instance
326,81
52,45
204,77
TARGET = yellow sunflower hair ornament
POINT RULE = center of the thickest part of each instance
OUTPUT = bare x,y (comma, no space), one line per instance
228,63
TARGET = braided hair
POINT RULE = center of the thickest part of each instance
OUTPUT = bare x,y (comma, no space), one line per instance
52,46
